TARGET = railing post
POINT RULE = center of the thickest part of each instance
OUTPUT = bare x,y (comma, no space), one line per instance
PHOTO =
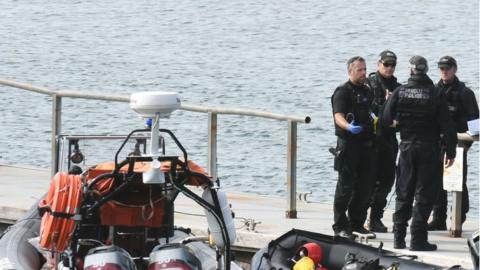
56,129
456,226
292,170
212,145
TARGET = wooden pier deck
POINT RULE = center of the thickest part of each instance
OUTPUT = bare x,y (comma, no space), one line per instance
20,187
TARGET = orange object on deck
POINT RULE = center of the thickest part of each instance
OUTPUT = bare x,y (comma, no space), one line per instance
140,167
61,204
144,207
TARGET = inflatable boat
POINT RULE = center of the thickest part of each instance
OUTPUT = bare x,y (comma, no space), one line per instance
120,214
299,250
15,250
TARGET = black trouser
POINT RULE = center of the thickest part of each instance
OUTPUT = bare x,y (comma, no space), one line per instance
440,207
385,156
418,177
354,165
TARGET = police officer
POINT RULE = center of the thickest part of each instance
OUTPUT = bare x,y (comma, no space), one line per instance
382,83
420,112
351,103
463,107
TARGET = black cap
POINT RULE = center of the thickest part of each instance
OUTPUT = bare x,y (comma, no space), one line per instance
387,57
419,63
447,61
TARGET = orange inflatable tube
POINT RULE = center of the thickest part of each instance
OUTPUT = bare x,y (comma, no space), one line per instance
61,204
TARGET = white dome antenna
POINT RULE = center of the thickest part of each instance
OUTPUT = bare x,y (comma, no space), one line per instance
149,104
154,105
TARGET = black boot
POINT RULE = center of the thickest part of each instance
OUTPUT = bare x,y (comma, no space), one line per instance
399,243
422,246
345,233
376,225
437,224
399,233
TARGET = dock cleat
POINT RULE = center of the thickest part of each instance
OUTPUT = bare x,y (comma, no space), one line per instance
362,232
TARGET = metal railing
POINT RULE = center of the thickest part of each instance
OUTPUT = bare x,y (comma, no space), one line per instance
213,112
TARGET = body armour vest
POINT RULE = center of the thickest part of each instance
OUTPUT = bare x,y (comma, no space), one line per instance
360,98
453,94
415,111
378,85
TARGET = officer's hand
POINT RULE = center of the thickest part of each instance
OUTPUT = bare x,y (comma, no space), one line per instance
352,128
387,94
449,162
394,124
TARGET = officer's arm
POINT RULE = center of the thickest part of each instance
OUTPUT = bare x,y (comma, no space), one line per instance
389,111
469,103
340,120
447,127
340,102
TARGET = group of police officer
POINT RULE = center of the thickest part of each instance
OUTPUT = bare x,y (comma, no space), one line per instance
367,114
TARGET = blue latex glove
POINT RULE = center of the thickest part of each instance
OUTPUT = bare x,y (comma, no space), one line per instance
352,128
149,122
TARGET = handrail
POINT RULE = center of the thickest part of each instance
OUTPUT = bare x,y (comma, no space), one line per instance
212,129
25,86
184,106
247,112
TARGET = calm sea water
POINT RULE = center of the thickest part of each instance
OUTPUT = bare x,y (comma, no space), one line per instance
279,56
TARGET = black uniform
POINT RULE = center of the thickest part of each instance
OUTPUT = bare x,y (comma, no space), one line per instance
354,155
463,107
422,115
385,146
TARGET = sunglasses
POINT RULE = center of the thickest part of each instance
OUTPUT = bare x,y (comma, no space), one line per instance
389,64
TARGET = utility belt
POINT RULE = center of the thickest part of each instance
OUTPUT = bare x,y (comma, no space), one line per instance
426,136
342,144
350,139
357,141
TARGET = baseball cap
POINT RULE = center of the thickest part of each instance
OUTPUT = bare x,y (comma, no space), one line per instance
419,63
388,57
447,61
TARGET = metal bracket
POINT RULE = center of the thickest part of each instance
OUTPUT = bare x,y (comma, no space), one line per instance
250,224
302,196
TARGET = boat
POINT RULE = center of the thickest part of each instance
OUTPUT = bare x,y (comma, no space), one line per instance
330,252
15,250
119,214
